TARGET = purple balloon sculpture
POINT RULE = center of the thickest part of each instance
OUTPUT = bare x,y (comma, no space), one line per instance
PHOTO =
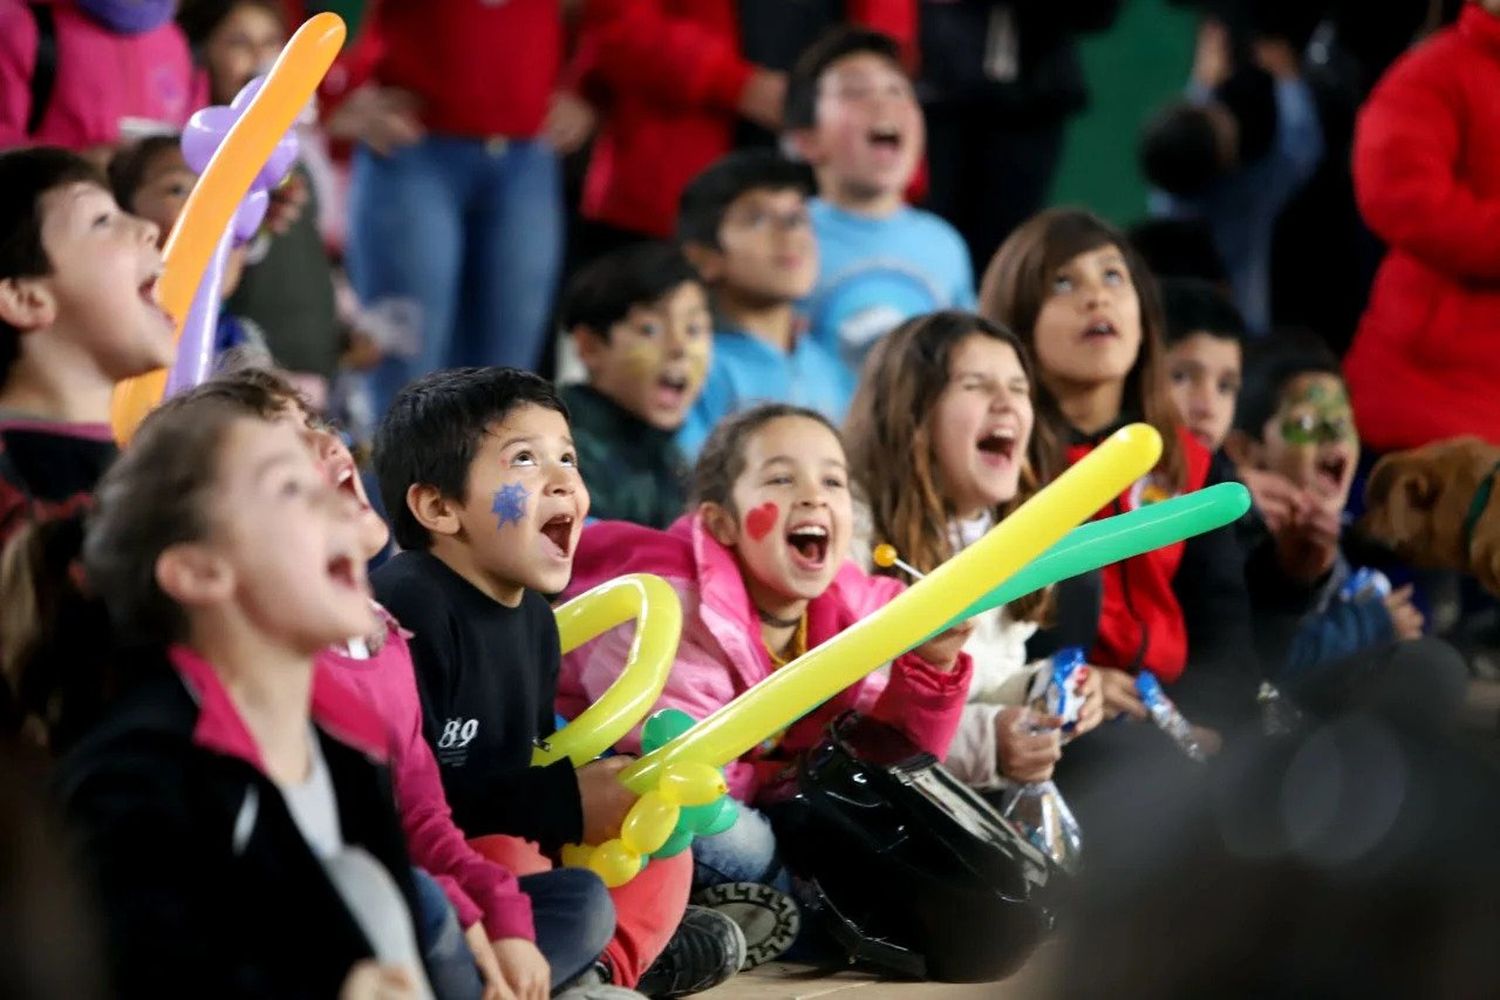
201,138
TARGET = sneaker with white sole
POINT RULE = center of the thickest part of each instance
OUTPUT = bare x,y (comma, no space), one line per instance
769,919
707,949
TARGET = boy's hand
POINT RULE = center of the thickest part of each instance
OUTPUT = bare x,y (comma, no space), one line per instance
1208,739
489,966
764,98
942,650
1092,712
1406,620
1277,499
605,799
1120,695
570,122
287,202
1021,753
527,975
369,980
1308,546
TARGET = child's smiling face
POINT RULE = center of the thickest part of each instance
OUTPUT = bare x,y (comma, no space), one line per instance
981,425
869,131
792,515
654,361
1311,438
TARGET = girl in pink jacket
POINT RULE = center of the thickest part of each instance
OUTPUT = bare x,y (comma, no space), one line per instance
88,74
760,568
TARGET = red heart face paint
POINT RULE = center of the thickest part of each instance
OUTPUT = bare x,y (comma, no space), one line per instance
760,520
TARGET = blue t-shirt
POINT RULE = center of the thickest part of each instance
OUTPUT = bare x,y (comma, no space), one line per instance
746,370
874,273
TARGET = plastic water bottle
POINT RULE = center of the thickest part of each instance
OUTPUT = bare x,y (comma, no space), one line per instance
1166,716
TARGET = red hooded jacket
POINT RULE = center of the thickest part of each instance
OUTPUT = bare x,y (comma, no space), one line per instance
670,74
1426,360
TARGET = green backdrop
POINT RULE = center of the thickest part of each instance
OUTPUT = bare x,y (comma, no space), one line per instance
1140,63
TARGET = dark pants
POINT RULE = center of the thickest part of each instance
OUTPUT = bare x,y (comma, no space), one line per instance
987,176
570,908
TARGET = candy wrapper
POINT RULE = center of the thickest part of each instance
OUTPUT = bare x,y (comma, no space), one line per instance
1365,584
1165,714
1277,715
1038,810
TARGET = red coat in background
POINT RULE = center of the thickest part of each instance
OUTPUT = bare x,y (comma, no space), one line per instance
670,74
1425,364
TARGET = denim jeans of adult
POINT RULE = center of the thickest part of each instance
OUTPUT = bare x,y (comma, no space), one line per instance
571,910
469,231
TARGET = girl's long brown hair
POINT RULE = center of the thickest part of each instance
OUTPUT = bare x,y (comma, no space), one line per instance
889,438
1019,281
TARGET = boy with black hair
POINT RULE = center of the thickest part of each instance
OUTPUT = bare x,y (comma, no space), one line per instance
639,317
1245,140
478,471
852,114
77,315
1205,357
1294,420
745,226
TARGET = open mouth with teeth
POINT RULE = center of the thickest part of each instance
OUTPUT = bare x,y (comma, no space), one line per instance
997,448
558,531
1101,329
346,482
809,546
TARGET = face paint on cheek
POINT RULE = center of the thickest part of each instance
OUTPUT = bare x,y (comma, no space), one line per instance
642,360
696,357
760,520
510,504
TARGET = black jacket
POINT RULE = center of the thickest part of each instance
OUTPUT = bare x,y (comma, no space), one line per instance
207,886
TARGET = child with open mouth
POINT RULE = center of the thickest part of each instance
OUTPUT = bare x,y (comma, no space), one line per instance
760,566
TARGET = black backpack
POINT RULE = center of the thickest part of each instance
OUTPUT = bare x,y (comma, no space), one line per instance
909,869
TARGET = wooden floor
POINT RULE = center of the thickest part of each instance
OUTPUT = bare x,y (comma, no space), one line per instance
780,981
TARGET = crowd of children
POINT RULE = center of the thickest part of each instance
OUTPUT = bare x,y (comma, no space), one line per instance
293,764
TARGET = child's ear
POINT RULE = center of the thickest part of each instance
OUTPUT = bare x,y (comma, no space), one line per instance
1243,450
708,262
433,511
27,304
803,144
193,576
721,524
590,345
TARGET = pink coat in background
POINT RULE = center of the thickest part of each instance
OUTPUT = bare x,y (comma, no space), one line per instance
721,653
477,887
102,79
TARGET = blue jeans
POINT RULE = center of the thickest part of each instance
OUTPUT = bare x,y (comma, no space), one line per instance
472,232
571,909
746,852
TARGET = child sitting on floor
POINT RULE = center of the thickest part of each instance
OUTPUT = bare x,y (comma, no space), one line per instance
234,808
77,315
761,570
640,320
951,393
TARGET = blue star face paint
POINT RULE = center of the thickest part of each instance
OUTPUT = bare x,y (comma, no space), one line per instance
510,504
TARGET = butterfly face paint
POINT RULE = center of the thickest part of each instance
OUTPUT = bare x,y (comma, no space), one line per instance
1311,440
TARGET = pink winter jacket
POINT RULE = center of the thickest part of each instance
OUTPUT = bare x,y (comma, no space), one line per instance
101,79
721,653
477,887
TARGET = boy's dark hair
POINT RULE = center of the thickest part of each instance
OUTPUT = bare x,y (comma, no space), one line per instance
127,168
1179,150
1194,306
723,456
603,292
700,210
837,43
26,175
433,430
258,391
1272,363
